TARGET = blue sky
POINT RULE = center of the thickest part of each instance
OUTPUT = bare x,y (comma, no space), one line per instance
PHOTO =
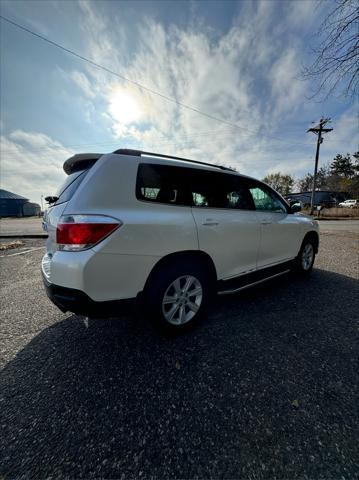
239,61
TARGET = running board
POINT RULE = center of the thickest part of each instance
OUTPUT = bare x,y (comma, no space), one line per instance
249,285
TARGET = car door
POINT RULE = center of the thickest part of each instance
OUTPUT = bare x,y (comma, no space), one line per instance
280,231
227,225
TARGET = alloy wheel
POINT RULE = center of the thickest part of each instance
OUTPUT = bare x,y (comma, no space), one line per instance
307,256
182,300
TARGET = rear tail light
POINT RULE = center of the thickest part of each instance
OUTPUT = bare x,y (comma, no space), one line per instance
80,232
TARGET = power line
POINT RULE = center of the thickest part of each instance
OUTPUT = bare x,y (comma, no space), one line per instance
142,87
165,141
153,142
162,140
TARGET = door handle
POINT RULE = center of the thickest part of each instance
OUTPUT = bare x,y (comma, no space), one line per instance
209,222
266,222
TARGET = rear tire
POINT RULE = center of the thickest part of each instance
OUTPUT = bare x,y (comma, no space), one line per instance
177,295
306,256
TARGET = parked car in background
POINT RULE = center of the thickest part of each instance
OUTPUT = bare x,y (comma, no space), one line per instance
349,204
322,198
168,231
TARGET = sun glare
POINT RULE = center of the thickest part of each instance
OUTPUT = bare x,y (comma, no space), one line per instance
124,107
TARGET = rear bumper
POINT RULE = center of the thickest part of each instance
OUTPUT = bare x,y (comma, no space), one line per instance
76,301
103,277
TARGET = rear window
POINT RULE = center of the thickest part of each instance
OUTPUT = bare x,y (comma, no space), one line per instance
192,187
70,186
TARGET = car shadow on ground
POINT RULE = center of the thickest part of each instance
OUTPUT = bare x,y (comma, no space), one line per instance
264,388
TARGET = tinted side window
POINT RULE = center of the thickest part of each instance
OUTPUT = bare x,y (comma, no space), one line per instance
220,190
163,184
265,199
70,186
192,187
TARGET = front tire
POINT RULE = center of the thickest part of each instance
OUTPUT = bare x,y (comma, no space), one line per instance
305,259
177,296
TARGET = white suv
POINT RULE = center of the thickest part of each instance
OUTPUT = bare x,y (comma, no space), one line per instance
168,231
349,204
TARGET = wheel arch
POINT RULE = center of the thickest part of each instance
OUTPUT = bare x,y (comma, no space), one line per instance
314,237
193,255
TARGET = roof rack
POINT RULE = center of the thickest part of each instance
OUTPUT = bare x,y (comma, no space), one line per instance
139,153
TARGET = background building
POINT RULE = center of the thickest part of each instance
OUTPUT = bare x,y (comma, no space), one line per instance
13,205
321,197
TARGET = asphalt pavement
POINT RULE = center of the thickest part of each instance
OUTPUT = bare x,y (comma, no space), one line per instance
21,226
265,388
345,226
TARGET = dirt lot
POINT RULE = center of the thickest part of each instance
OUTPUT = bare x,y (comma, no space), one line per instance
265,388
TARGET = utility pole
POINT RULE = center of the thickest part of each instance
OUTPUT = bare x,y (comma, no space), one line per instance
318,130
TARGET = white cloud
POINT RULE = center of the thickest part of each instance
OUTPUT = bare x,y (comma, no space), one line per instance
219,76
304,12
287,90
344,136
31,164
83,83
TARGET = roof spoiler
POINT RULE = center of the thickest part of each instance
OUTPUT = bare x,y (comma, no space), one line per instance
80,161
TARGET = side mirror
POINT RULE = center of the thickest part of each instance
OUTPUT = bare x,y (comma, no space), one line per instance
295,207
51,199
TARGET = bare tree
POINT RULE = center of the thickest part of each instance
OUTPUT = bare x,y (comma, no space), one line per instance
336,64
282,183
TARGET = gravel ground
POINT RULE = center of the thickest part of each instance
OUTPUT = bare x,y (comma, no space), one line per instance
266,388
23,245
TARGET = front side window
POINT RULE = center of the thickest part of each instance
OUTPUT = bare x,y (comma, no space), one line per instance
240,199
266,200
199,200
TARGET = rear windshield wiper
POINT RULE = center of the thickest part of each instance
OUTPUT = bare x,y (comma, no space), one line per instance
51,199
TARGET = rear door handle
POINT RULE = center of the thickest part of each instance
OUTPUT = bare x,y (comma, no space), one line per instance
209,222
266,222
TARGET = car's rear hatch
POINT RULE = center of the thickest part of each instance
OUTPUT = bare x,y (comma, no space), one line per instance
76,167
